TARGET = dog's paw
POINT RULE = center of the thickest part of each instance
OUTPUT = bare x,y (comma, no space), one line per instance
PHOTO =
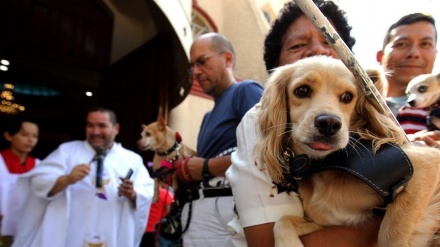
294,242
286,233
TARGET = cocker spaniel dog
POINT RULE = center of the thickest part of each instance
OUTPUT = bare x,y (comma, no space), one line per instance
322,138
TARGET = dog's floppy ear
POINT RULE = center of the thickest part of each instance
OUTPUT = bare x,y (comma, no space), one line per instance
272,118
378,77
368,122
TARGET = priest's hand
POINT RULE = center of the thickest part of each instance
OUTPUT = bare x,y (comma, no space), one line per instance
126,189
79,172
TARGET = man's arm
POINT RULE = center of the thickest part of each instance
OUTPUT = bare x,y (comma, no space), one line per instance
78,173
216,166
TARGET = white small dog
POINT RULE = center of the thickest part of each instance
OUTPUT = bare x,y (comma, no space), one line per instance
424,92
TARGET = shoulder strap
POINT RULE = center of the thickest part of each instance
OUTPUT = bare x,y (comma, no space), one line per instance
387,171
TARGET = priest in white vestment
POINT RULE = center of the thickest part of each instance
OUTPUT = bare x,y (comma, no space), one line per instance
64,207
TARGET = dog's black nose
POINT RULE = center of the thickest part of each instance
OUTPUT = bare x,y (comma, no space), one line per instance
328,125
412,102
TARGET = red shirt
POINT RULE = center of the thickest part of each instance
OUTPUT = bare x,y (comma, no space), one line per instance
412,119
158,210
13,162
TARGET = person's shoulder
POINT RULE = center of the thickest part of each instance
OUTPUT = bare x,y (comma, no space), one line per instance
249,87
164,192
127,151
69,144
251,114
249,83
66,149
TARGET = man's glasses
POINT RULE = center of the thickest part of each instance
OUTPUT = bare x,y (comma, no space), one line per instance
200,63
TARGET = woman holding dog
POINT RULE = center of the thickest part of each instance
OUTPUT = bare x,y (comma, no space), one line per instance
22,135
292,37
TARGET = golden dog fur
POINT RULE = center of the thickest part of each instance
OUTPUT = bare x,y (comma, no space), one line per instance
294,95
158,137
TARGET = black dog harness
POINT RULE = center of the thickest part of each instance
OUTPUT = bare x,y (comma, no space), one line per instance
387,172
167,166
175,147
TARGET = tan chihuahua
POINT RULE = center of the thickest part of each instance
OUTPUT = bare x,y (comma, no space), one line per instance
168,147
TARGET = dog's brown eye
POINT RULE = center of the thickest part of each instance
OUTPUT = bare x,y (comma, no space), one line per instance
303,92
422,89
347,97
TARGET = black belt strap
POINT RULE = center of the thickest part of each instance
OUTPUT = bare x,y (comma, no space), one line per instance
194,194
211,192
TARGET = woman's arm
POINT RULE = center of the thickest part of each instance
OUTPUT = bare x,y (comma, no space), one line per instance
364,235
260,235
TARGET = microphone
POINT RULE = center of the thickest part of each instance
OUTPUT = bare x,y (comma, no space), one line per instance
99,157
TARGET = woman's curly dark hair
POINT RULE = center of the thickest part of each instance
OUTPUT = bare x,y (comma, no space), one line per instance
290,13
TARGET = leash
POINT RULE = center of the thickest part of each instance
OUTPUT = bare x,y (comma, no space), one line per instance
188,219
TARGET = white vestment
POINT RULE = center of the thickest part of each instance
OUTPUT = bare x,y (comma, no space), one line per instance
76,215
9,196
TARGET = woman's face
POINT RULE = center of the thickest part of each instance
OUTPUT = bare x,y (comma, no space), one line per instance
25,139
302,40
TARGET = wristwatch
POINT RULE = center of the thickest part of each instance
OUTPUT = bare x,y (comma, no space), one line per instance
205,171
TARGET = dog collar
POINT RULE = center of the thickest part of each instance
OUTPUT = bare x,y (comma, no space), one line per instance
387,172
297,168
175,147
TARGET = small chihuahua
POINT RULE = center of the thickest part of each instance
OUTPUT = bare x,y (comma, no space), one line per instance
424,92
168,148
